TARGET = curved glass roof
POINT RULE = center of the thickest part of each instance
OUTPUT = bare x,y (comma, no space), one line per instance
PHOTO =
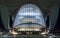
29,11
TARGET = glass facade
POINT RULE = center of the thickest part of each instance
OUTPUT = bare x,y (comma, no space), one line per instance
29,13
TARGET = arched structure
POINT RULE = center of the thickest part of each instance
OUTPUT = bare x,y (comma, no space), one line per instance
29,13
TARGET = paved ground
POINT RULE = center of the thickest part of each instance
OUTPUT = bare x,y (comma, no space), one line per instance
23,36
29,36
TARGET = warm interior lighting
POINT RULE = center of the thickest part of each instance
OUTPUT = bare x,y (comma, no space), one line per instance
36,29
13,32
